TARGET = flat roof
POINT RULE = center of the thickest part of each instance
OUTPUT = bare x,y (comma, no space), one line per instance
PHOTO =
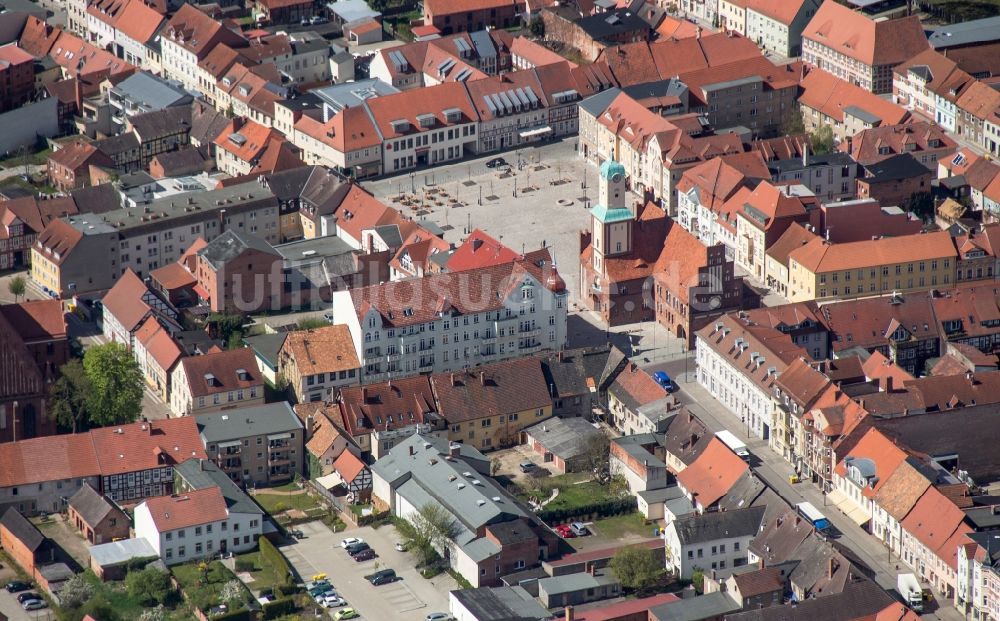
964,33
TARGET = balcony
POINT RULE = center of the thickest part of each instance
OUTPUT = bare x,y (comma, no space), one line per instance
230,465
275,446
529,333
393,357
281,459
280,473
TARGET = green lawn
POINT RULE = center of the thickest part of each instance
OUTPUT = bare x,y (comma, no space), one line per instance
263,574
577,495
16,160
118,599
203,595
279,503
620,526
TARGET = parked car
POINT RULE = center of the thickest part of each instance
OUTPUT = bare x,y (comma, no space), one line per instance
364,555
350,541
318,19
34,604
438,616
346,613
356,548
579,529
320,591
23,597
400,546
312,584
296,533
332,601
384,576
526,466
304,21
497,162
15,586
664,380
564,531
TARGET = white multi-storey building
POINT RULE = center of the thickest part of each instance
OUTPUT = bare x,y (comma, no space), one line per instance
453,321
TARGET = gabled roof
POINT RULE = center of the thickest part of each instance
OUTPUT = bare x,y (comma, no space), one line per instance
125,300
222,367
192,508
935,521
196,32
90,505
635,388
830,95
821,256
386,405
36,320
51,458
480,250
144,445
855,35
717,525
712,474
349,466
876,457
504,387
138,21
27,534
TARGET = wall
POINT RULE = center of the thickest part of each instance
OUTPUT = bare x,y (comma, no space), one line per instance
24,125
45,496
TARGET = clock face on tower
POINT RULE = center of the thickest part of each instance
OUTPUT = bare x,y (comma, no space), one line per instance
616,178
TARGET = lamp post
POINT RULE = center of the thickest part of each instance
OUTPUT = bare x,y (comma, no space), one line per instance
413,184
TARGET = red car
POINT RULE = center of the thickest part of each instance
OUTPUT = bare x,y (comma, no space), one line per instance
564,531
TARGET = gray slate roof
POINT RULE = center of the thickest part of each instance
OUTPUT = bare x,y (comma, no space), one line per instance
119,552
598,103
501,604
25,531
694,529
162,123
711,606
232,244
565,438
267,346
964,33
152,91
258,420
91,506
634,446
96,198
567,373
202,474
857,600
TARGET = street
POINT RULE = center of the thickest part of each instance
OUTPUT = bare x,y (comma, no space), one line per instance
774,471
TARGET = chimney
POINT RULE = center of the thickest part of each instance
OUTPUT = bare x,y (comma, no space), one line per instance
454,449
569,613
805,154
832,567
887,381
482,378
694,439
476,244
364,395
697,32
238,123
411,450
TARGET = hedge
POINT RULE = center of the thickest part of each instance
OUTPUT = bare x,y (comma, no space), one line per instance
270,555
602,508
236,615
278,608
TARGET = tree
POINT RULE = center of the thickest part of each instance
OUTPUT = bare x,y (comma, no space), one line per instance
233,593
225,326
821,140
596,458
149,586
698,579
428,531
922,204
16,286
75,592
793,124
116,385
537,27
68,397
637,568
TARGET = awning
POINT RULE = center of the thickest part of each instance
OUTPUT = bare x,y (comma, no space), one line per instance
538,131
230,444
846,506
279,436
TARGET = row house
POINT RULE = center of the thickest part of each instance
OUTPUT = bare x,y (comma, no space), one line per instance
827,100
977,104
22,220
703,191
924,140
379,416
823,270
858,49
217,380
739,362
777,27
450,16
766,214
425,63
978,579
128,304
317,362
347,142
448,321
830,177
188,38
87,253
157,353
917,81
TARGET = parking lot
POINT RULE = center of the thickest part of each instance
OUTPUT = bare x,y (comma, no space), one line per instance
409,599
12,609
540,200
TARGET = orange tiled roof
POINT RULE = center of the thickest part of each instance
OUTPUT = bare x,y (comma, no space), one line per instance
192,508
322,350
829,94
821,256
856,36
712,474
145,445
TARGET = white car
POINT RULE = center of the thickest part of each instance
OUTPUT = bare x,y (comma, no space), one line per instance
332,600
351,541
400,546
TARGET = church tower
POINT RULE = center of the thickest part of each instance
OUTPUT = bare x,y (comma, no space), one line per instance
611,219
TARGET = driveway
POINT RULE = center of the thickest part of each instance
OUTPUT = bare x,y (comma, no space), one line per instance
409,599
14,612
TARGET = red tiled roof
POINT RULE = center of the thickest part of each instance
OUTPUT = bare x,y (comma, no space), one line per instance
38,37
246,139
144,445
502,388
433,100
882,452
446,7
349,130
36,320
13,55
480,250
820,256
124,300
639,385
829,94
853,34
139,21
52,458
386,405
78,154
222,365
192,508
782,11
197,32
935,521
159,344
712,474
173,276
57,241
348,466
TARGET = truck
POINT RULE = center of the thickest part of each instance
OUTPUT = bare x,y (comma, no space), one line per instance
735,444
812,514
909,587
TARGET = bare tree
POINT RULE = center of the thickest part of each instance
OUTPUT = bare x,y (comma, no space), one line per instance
596,453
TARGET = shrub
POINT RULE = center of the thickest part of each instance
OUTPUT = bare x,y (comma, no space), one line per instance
278,608
235,615
245,564
604,507
269,555
75,592
149,586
